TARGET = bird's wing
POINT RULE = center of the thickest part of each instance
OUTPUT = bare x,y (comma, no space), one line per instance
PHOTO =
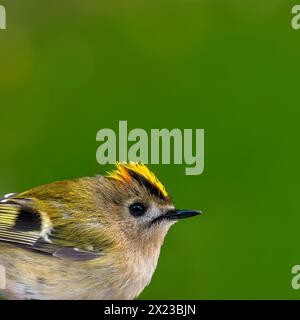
22,224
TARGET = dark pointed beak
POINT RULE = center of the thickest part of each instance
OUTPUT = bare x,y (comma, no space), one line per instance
181,214
175,215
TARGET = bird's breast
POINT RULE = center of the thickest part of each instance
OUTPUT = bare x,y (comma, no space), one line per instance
140,268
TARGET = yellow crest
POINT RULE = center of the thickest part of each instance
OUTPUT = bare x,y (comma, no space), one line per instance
126,171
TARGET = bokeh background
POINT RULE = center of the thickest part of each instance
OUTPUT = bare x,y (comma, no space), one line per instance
70,68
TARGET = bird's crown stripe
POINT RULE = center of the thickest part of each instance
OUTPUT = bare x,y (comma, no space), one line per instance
127,171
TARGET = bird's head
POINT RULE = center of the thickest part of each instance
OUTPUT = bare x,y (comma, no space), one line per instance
136,204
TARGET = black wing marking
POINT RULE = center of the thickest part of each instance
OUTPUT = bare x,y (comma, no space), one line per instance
18,223
22,225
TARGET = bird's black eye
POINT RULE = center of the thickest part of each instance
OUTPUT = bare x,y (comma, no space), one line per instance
137,209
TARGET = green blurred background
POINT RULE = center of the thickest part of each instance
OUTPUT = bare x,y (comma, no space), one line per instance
68,69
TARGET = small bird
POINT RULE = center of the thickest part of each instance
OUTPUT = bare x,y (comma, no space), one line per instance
89,238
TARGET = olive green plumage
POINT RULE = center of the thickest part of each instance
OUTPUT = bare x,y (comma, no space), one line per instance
87,238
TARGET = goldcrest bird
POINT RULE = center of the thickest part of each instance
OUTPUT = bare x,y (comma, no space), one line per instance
87,238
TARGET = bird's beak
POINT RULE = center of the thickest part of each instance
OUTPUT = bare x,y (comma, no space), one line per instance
175,215
181,214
